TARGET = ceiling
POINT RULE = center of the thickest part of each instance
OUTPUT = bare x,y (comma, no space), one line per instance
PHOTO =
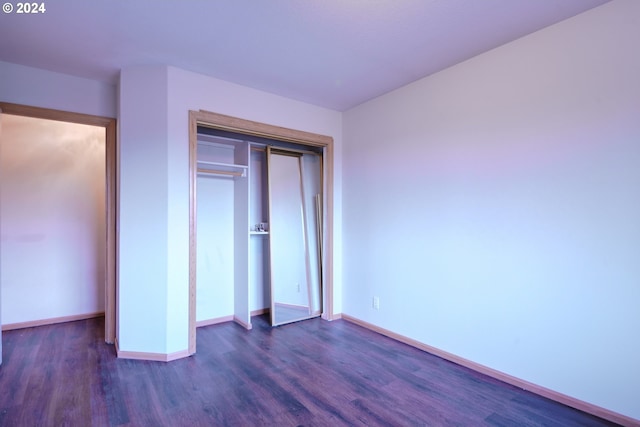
332,53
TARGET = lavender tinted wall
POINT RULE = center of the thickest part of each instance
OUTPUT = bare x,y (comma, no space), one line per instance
52,219
40,88
493,207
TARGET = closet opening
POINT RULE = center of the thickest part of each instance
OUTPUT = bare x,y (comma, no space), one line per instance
261,223
57,197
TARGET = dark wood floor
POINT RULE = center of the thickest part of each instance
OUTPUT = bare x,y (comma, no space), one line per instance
312,373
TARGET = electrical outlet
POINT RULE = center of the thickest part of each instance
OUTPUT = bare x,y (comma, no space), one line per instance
376,303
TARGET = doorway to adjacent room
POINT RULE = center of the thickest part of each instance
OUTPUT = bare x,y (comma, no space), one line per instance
57,205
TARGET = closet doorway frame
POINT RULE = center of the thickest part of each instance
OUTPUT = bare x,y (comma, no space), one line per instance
109,125
251,128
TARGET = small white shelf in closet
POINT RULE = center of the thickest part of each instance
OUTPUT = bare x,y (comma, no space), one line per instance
258,233
222,169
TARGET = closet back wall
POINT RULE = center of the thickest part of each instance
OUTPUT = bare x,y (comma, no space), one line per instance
52,219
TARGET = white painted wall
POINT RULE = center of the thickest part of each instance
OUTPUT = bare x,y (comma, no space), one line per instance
493,207
143,211
52,219
40,88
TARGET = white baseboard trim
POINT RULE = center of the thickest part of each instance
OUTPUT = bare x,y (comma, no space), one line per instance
525,385
230,318
154,357
51,321
214,321
242,323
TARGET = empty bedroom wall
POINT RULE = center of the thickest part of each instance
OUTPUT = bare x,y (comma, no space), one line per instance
493,208
52,219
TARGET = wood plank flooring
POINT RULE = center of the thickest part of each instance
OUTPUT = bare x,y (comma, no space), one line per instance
312,373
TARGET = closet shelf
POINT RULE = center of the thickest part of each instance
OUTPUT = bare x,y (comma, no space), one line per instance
258,233
222,169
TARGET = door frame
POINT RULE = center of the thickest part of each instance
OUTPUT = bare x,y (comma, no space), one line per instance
247,127
109,124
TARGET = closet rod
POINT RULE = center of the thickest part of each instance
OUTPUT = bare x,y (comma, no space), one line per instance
219,172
